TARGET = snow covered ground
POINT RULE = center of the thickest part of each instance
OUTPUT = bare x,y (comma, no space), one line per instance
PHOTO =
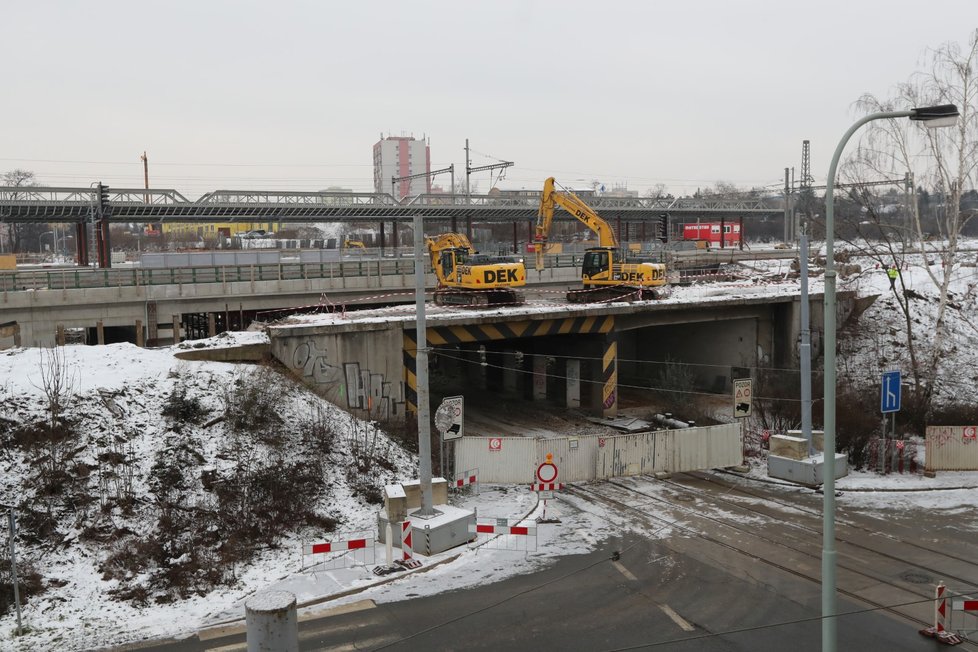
120,389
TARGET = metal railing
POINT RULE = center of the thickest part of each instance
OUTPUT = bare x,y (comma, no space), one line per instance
75,278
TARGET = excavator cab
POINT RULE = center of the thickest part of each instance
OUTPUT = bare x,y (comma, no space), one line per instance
595,262
448,263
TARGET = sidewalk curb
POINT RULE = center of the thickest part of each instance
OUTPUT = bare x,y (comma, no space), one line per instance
336,596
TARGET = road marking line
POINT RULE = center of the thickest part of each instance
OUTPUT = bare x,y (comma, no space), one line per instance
232,629
363,644
220,631
351,607
624,571
676,618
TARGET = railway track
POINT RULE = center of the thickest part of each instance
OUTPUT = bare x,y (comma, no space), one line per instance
771,539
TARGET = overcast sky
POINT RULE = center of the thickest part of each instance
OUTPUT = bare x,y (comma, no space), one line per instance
292,95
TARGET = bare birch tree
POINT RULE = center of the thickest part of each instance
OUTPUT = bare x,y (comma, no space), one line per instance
942,159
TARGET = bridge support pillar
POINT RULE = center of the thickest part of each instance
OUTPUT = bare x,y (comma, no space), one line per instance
103,243
152,324
539,377
211,324
509,372
81,244
100,332
176,329
573,375
140,338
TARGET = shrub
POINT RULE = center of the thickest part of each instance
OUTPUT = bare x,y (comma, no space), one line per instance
30,583
251,405
182,407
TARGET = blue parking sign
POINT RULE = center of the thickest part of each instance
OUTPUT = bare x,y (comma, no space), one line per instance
890,392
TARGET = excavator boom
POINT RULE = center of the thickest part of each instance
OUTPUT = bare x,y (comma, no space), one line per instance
574,205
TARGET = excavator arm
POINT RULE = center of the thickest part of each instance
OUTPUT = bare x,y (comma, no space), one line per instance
574,205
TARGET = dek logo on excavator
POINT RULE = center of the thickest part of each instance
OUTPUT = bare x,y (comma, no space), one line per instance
628,276
499,276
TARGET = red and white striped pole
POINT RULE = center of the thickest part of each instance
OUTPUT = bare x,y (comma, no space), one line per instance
406,546
940,608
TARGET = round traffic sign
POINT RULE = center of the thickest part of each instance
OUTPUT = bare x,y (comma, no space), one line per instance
547,472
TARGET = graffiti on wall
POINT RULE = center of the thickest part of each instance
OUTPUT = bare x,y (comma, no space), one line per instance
356,387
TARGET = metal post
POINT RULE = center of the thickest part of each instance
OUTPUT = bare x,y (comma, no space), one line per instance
805,350
13,567
271,622
424,417
787,208
468,193
829,623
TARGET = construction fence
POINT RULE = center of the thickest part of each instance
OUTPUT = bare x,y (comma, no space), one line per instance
514,460
952,448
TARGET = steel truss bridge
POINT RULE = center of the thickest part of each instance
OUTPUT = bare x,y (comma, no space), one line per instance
50,204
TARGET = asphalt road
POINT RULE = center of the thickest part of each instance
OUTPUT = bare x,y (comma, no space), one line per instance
677,593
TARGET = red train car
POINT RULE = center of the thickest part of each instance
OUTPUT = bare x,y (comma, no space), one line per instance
710,232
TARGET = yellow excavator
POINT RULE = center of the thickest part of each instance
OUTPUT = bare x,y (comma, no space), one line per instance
470,279
606,274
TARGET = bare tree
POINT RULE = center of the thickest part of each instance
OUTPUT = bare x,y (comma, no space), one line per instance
21,234
57,383
944,159
658,191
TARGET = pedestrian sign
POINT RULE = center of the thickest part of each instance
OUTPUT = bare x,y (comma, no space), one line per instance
742,397
890,392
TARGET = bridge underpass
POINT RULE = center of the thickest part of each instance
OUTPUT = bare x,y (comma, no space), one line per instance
574,357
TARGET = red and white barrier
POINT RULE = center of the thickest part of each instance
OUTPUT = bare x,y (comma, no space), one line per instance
335,546
407,547
939,630
359,545
940,608
493,526
547,486
466,478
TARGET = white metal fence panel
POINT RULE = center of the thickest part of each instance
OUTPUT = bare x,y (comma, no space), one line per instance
579,459
507,460
952,448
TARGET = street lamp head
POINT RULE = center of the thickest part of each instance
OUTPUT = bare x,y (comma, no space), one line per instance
944,115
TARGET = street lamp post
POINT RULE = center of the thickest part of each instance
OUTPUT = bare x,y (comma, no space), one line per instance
944,115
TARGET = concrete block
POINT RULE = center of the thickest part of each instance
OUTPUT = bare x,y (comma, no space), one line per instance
795,448
818,437
395,503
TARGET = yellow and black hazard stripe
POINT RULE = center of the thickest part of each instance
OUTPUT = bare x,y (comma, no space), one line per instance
442,335
411,371
609,377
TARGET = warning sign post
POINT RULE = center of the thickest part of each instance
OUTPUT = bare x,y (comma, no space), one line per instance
742,397
546,485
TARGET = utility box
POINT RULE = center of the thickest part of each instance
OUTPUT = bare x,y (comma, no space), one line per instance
430,536
809,471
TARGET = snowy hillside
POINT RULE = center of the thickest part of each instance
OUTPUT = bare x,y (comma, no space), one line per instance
123,513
